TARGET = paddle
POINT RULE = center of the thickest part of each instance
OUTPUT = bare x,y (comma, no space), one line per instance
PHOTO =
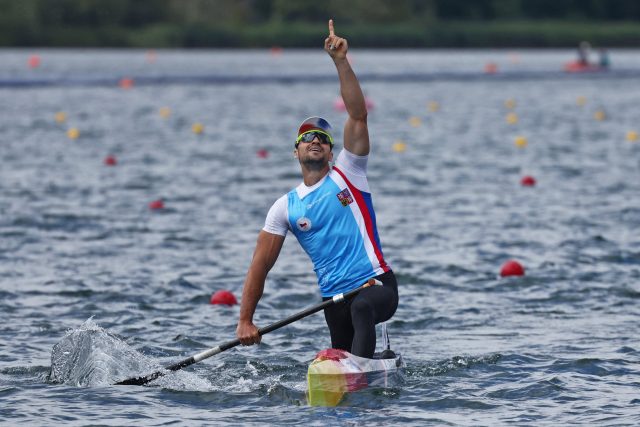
231,344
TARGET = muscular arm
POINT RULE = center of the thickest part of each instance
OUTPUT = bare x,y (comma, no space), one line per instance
356,133
265,255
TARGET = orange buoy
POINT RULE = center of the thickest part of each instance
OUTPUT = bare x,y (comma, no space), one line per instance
126,83
491,68
61,117
165,112
510,103
151,56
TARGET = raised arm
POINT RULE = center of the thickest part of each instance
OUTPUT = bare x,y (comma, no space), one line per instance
356,133
267,250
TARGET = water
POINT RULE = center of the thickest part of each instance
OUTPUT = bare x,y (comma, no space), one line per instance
77,240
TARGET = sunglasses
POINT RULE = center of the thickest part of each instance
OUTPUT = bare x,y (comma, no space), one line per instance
309,136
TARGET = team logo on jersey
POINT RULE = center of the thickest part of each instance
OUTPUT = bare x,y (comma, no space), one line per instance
345,197
303,224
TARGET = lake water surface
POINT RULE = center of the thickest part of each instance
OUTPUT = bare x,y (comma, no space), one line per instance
121,290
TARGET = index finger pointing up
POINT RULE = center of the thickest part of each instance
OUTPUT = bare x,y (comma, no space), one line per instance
331,33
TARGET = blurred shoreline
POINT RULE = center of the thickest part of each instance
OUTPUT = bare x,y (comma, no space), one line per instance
453,34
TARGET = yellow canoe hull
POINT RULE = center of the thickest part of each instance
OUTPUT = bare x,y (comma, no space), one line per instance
334,373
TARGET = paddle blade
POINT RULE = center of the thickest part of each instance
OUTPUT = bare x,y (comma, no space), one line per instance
148,378
141,380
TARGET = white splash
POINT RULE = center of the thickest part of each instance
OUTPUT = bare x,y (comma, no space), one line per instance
90,356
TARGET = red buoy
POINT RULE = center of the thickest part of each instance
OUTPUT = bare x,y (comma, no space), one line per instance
151,56
110,161
34,61
156,204
528,181
223,298
491,68
369,104
339,104
512,268
262,153
126,83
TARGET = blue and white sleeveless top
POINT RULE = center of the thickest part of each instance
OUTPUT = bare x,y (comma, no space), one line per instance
335,224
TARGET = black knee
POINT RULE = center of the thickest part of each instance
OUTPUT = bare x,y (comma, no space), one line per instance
362,310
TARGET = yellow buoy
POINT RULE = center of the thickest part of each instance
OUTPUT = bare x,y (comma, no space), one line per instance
165,112
632,136
521,141
581,100
73,133
433,106
512,118
197,128
599,115
415,121
399,146
61,117
510,104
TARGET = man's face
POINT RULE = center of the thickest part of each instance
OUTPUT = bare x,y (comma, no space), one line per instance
314,152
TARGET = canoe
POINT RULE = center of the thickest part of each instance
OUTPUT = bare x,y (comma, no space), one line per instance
334,373
578,67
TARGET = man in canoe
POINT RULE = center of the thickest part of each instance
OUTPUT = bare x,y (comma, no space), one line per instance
331,215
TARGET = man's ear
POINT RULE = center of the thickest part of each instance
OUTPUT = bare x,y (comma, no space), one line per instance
295,153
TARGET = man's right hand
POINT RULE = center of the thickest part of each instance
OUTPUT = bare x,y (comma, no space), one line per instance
247,333
335,46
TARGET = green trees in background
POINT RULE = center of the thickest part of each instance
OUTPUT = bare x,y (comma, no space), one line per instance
256,23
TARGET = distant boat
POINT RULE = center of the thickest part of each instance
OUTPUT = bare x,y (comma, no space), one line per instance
580,67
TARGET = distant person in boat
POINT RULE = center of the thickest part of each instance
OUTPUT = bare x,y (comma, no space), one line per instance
583,53
331,214
603,58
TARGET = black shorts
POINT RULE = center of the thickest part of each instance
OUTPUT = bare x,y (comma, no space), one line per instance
352,323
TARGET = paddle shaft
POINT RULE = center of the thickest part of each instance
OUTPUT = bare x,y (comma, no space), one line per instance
231,344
